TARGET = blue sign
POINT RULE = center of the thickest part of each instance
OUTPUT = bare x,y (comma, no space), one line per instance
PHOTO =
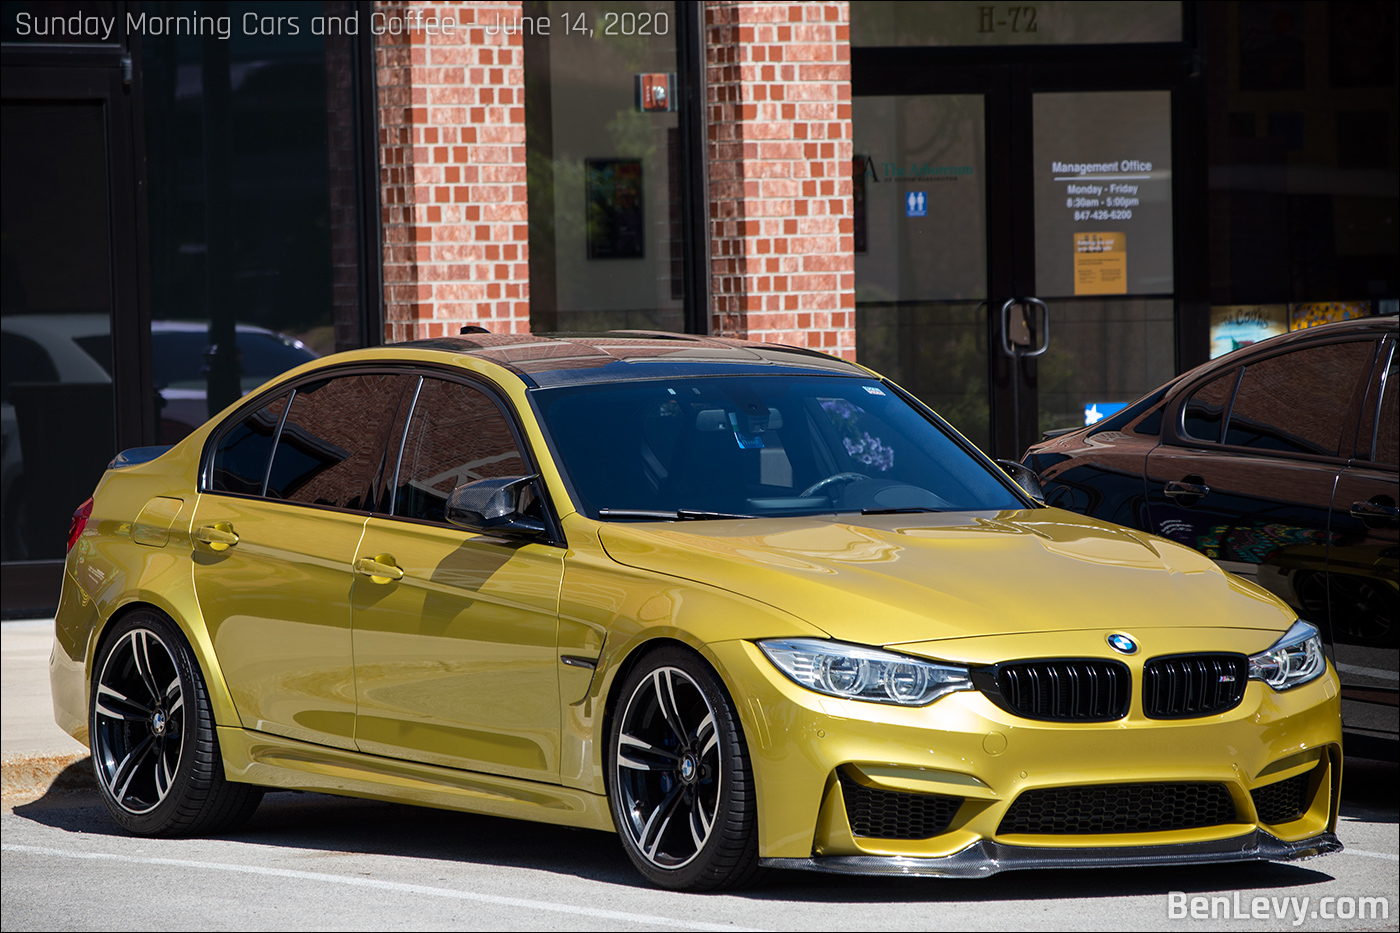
916,204
1095,412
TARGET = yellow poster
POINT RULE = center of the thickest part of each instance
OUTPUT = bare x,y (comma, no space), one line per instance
1100,264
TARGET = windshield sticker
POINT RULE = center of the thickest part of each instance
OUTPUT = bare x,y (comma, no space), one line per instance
874,390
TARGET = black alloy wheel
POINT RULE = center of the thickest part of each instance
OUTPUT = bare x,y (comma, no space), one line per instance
680,786
154,749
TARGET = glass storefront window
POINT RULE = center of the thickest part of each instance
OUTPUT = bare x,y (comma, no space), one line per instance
56,401
921,249
250,145
1304,170
603,158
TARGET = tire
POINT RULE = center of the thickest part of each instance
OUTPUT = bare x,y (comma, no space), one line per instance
679,781
154,749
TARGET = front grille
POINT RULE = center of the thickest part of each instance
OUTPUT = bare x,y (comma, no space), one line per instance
1283,802
1190,685
1077,690
1118,808
889,814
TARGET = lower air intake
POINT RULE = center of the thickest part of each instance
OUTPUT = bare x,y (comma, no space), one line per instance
1283,802
1118,808
890,814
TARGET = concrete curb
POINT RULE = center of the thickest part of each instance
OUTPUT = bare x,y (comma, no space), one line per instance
34,775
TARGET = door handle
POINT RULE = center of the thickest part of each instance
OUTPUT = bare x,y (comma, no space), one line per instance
380,568
1015,350
1177,490
219,536
1044,343
1375,510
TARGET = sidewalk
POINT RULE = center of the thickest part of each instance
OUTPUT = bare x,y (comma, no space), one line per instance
34,751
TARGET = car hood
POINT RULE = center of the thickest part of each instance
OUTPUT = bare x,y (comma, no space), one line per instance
896,579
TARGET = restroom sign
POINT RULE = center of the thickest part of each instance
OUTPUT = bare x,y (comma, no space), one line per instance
1100,264
916,204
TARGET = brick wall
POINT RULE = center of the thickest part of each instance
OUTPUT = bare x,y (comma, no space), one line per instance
452,171
781,222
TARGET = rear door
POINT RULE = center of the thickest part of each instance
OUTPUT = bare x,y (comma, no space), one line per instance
275,532
1362,564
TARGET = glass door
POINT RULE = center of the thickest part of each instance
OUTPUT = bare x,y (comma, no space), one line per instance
1016,228
1102,296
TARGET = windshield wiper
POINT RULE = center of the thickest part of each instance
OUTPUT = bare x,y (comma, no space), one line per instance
897,511
693,515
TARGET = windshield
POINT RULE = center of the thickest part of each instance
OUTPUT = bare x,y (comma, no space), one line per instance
730,446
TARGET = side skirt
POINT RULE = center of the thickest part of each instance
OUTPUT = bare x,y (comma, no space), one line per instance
272,761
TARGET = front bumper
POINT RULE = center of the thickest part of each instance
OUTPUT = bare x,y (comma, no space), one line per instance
986,858
803,745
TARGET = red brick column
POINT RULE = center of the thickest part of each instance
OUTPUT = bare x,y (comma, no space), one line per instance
781,223
452,169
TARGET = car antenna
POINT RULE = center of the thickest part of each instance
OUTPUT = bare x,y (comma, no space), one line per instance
473,329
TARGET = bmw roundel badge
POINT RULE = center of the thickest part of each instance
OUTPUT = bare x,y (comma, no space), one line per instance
1122,643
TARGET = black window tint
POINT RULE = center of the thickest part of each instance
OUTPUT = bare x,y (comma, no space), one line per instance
1205,410
457,435
1387,447
332,444
240,461
1297,402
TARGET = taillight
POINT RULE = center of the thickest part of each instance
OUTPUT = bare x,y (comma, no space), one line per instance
79,522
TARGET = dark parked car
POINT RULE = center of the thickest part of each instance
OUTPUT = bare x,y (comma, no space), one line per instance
1279,462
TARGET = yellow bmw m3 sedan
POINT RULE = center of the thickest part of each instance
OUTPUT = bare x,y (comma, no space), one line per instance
747,606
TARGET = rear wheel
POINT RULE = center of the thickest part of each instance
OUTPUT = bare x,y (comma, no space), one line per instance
680,785
154,748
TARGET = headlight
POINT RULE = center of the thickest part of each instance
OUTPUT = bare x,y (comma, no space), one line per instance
1294,659
857,673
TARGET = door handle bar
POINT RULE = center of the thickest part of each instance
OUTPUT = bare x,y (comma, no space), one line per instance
1177,489
377,570
1014,350
219,537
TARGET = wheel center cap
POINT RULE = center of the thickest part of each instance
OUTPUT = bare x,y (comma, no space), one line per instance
158,722
690,768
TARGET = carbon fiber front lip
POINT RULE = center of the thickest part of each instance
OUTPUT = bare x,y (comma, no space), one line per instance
986,858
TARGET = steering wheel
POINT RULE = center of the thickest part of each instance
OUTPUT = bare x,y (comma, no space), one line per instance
820,487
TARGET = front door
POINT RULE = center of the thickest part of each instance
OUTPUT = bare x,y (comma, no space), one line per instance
454,632
1016,227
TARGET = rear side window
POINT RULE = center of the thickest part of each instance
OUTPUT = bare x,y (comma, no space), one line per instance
331,445
240,460
1204,411
1297,402
457,435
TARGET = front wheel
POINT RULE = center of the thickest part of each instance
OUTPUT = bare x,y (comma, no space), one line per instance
680,786
154,747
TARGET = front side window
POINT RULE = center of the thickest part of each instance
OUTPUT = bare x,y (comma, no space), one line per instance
240,460
760,445
332,444
1297,402
457,435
